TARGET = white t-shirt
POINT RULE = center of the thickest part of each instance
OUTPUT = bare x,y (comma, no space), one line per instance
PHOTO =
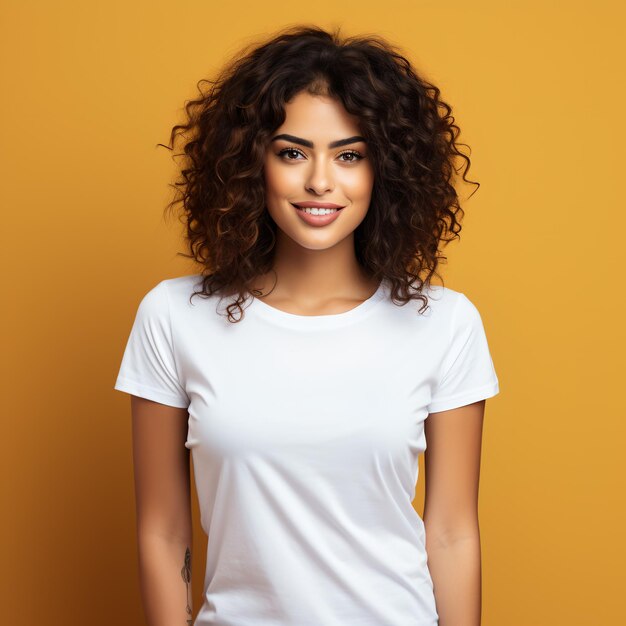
305,433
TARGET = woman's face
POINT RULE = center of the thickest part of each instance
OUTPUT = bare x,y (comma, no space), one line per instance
323,160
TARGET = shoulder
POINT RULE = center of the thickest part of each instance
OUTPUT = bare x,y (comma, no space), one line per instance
172,292
180,285
443,301
450,311
168,294
451,300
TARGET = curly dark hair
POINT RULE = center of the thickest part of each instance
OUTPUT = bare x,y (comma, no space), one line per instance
412,143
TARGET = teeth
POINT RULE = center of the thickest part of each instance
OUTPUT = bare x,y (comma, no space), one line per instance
319,211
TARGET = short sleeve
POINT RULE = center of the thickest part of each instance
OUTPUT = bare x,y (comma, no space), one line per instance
467,373
148,367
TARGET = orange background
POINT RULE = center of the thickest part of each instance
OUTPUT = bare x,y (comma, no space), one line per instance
537,89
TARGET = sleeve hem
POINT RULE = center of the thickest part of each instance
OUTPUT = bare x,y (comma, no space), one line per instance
141,390
467,397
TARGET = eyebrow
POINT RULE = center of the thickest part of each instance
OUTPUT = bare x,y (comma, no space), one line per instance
310,144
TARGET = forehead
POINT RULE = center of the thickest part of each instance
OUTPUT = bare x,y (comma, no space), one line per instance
318,117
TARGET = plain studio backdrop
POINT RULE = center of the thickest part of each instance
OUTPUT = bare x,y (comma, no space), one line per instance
89,90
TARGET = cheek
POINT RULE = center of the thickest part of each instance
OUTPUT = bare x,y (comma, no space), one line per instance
279,181
358,185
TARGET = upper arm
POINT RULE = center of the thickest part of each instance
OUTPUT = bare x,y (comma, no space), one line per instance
452,467
161,469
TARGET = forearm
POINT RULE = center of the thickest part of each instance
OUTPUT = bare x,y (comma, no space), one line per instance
455,569
165,580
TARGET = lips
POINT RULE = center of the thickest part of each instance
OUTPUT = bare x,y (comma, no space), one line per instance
319,205
317,218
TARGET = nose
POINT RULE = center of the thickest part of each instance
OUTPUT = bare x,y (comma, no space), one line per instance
320,180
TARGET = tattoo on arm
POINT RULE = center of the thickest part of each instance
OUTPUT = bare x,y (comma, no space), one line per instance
186,574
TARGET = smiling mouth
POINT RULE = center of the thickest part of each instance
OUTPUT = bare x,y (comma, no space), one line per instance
317,210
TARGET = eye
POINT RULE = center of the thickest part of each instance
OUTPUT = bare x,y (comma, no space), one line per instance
289,150
358,156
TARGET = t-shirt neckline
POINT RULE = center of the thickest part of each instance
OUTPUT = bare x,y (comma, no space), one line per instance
332,320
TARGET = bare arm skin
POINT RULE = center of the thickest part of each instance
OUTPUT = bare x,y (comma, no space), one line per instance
163,500
452,467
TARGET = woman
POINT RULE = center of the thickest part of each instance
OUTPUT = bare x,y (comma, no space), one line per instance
318,189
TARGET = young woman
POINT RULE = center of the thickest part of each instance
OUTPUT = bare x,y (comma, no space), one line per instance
318,191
